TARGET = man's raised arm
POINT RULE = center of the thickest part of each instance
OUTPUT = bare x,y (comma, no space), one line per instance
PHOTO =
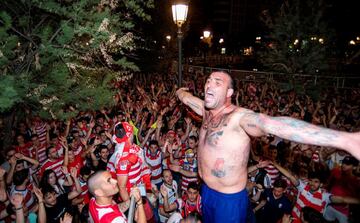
300,131
196,104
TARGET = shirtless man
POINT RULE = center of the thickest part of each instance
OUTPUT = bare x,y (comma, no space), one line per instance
224,145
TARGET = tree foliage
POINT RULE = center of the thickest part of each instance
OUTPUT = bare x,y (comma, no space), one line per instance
298,38
61,54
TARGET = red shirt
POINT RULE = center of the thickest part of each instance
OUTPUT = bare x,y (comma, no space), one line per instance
41,153
106,213
25,149
55,165
130,166
77,163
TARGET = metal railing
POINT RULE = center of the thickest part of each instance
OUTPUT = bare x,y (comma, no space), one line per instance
350,82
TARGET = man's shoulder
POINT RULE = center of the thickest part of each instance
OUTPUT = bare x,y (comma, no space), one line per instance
240,112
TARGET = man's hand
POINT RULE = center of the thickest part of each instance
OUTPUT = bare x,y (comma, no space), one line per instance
13,160
73,172
66,219
17,200
64,170
163,191
135,192
38,194
263,163
180,91
175,168
19,156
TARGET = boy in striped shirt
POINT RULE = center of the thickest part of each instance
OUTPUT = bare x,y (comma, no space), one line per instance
311,194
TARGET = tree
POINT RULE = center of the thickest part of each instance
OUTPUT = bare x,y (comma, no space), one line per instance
58,57
298,38
61,54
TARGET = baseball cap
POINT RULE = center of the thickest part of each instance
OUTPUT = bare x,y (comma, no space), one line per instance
350,160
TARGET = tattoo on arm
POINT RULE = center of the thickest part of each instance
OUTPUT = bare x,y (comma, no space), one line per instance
194,105
219,169
300,131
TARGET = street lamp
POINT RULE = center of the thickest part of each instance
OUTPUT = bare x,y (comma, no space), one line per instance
179,13
206,34
168,38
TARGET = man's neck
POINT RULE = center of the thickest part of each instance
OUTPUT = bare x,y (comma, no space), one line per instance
103,200
221,109
168,185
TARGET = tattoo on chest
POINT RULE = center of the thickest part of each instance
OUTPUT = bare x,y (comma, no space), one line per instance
219,168
213,138
214,130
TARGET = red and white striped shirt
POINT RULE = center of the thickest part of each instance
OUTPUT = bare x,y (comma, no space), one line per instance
155,163
40,130
188,207
29,199
41,153
317,200
105,213
192,167
272,172
55,165
130,166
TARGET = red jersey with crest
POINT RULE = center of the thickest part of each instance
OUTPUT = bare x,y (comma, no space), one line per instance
105,213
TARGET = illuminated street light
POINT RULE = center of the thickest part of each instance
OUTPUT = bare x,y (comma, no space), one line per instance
168,38
321,40
179,13
221,40
207,34
352,42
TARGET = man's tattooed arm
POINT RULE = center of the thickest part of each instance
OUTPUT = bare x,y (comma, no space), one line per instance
292,129
196,104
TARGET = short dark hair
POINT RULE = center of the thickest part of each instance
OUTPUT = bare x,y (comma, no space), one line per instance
47,151
193,185
20,176
34,135
280,183
120,131
162,174
153,142
85,170
101,147
317,175
47,189
193,138
231,83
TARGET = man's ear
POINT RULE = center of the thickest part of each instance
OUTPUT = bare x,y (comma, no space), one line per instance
98,192
229,92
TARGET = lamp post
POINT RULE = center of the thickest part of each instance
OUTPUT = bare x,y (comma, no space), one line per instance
179,13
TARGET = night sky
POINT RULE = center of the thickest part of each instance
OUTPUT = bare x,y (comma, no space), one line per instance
239,19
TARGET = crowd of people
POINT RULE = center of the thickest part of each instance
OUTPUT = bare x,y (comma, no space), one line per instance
87,168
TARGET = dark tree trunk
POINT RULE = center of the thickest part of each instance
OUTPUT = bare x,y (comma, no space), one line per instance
8,123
